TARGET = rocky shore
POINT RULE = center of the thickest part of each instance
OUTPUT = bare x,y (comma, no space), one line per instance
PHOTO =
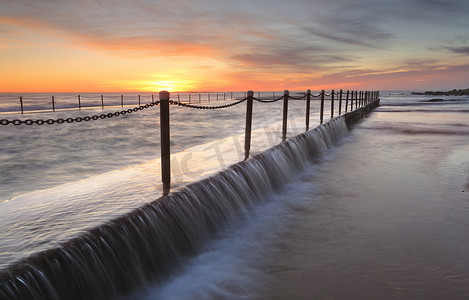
460,92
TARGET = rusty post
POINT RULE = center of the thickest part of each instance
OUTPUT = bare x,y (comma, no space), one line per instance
346,101
308,108
321,116
285,114
165,142
340,102
247,134
356,99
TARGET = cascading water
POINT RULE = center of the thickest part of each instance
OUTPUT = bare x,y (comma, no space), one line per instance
118,256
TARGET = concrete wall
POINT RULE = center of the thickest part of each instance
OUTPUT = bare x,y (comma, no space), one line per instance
353,117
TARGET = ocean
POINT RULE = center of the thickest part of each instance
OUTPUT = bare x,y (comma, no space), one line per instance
380,215
57,181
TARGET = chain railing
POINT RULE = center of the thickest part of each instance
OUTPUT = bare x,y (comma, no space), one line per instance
356,100
77,119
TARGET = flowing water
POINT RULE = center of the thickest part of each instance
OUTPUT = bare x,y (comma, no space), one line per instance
57,181
382,214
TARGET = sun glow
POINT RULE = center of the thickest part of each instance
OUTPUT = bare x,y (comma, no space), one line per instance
171,85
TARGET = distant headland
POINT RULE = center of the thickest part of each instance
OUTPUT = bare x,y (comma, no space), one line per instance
463,92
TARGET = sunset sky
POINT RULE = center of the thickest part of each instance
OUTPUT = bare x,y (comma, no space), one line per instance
235,45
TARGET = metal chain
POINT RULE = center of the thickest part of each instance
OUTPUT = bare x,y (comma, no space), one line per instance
206,107
269,101
77,119
297,98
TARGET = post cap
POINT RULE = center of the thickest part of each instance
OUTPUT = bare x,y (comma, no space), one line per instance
285,92
164,95
308,91
250,93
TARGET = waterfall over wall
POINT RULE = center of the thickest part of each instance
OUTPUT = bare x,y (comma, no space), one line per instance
116,257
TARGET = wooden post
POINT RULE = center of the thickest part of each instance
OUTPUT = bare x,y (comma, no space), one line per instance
356,99
346,101
224,96
199,97
79,103
308,108
273,95
285,115
53,104
321,117
153,99
165,142
340,102
332,103
189,97
122,100
138,100
247,134
208,97
102,102
21,103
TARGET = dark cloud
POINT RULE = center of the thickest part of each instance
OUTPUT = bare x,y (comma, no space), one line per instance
459,50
